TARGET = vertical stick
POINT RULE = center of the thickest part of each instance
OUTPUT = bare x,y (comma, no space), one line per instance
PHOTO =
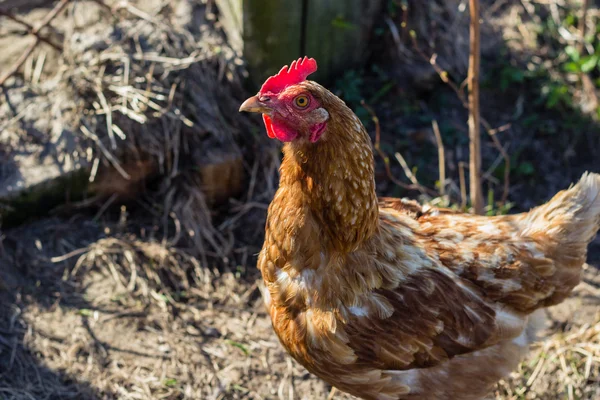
474,123
441,156
582,25
463,186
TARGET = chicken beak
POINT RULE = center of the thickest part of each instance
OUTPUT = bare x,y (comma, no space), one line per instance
253,104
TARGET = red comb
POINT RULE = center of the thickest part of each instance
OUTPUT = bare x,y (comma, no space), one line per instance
297,73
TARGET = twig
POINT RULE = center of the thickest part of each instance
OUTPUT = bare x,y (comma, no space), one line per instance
411,177
432,60
30,28
94,170
395,34
107,154
441,73
463,185
65,257
331,393
582,24
39,68
19,62
17,117
589,88
47,19
474,124
105,206
505,156
108,112
404,8
386,160
441,157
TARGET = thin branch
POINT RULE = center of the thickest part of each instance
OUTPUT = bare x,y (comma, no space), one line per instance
474,124
444,76
506,157
386,160
30,29
588,87
15,67
441,73
411,177
108,113
463,185
582,24
115,163
47,19
441,157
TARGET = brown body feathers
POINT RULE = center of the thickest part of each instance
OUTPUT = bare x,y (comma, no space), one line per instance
386,299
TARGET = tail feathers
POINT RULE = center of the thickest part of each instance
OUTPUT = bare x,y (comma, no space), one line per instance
572,217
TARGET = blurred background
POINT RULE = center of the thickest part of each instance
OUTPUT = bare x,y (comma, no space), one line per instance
133,195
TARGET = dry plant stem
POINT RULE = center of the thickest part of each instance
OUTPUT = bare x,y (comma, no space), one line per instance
504,153
377,145
406,168
461,96
474,124
582,24
47,19
463,185
332,393
114,162
441,156
31,29
588,86
19,62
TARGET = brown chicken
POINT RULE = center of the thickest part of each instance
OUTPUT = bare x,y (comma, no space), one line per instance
384,298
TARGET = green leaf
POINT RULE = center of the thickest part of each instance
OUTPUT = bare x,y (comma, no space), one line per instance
572,52
240,388
526,168
239,345
572,67
569,20
556,95
589,63
170,382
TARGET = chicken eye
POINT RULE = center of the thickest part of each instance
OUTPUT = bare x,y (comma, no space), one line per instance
301,101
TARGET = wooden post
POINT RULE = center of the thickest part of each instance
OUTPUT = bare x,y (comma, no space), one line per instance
272,33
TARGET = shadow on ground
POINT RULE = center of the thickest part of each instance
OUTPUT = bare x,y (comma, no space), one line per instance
30,282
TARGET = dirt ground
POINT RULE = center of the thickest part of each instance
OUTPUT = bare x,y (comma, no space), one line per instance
95,335
91,336
108,303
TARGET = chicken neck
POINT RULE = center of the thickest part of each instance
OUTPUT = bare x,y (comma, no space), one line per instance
328,186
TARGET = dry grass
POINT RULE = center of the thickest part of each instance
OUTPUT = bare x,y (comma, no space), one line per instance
565,365
143,91
128,316
133,318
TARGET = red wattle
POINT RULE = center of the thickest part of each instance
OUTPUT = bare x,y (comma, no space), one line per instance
269,126
278,131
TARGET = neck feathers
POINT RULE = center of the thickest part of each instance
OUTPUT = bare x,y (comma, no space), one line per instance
333,180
